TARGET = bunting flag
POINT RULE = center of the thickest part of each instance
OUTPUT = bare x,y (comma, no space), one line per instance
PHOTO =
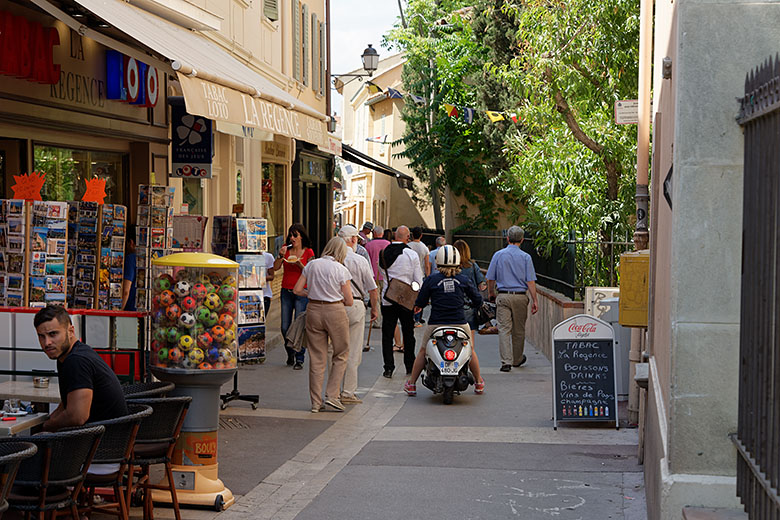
452,110
417,99
513,115
468,115
494,116
394,94
373,89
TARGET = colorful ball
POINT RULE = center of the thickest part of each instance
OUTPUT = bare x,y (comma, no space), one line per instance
205,340
175,355
204,279
173,335
173,312
213,354
230,335
215,278
167,298
229,308
161,284
188,303
229,280
218,333
225,355
198,291
202,313
199,328
225,321
182,288
205,366
187,320
196,356
182,275
187,364
161,335
156,302
213,302
157,345
162,355
227,293
186,342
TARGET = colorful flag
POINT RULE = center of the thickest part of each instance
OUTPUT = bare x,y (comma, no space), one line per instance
417,99
468,115
373,89
452,110
394,94
495,116
513,115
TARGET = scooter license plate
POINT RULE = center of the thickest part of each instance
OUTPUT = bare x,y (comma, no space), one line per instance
449,368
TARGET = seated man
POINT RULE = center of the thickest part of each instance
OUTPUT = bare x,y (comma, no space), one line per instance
89,389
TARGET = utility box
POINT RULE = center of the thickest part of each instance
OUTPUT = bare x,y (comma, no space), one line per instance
622,346
634,288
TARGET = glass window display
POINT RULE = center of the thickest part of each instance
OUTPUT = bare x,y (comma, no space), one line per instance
194,312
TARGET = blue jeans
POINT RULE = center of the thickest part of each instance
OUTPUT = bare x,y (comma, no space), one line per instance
289,302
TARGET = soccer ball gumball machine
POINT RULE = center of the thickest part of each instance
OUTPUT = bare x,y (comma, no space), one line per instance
194,346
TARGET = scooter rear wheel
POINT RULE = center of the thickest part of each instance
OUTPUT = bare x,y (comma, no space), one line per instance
448,395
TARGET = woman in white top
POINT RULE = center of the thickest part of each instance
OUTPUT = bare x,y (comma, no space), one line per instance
328,293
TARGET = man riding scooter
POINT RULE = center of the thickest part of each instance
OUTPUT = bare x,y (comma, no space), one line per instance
446,291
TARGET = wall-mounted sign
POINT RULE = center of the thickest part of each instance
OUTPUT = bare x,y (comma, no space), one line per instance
27,49
627,111
130,80
191,143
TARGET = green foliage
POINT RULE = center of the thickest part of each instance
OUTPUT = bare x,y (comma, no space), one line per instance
61,172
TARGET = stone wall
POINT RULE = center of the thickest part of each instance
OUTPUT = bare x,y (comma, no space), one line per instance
553,309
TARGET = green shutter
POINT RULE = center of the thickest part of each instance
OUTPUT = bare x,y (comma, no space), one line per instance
315,53
271,9
296,44
323,59
306,45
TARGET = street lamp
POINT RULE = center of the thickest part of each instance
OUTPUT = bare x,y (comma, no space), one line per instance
370,63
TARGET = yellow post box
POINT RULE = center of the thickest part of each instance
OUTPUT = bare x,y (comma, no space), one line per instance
634,288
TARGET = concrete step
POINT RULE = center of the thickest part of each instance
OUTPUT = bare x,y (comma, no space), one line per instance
706,513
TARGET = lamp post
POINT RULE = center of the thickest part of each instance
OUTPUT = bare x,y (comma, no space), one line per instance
370,58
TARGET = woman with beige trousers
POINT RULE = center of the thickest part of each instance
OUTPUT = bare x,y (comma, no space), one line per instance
326,283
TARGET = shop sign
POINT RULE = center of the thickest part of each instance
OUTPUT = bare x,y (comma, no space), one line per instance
27,49
130,80
191,144
313,170
275,150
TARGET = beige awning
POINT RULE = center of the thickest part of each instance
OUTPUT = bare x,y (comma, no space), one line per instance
215,84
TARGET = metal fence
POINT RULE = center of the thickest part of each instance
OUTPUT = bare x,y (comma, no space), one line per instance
758,430
568,269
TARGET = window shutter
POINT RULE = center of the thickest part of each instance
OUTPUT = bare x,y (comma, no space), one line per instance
323,59
296,44
305,44
271,9
315,53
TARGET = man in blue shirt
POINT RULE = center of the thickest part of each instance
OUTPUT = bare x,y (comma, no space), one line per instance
511,278
440,241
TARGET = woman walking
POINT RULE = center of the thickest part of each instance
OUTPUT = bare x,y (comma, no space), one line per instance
293,257
329,293
470,270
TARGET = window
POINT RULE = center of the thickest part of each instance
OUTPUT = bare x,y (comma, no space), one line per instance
271,9
296,33
323,58
67,172
315,53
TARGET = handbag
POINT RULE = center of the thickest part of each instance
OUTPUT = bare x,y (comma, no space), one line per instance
401,293
486,313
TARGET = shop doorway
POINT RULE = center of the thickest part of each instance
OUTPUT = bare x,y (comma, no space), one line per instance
13,161
313,213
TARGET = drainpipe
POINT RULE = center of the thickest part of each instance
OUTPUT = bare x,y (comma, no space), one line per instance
641,234
327,65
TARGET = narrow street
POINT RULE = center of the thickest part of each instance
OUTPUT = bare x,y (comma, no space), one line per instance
398,457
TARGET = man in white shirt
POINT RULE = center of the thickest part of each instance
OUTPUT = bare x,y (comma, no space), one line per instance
398,261
363,285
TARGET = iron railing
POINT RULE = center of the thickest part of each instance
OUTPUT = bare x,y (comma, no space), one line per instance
758,429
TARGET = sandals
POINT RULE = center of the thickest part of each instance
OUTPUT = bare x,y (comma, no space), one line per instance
479,388
410,388
398,348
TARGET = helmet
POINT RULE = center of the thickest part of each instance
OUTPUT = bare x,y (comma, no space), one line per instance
447,256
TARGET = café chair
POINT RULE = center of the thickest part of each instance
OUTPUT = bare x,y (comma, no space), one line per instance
114,450
154,444
151,389
51,480
11,455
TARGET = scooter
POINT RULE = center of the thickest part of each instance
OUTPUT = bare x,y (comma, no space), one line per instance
447,357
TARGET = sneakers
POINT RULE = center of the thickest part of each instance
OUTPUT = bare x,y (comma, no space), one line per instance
479,388
506,368
418,324
388,374
318,409
521,363
335,404
350,399
410,388
298,366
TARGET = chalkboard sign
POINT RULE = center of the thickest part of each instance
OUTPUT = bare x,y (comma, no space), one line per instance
584,378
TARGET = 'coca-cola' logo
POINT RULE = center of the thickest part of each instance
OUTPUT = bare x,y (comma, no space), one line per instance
585,328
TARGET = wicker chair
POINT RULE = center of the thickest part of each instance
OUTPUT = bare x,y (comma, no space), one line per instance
11,455
154,444
151,389
51,480
115,447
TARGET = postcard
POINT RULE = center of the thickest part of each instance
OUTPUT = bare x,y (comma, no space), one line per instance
159,195
158,217
13,299
118,243
83,302
15,263
15,244
251,342
119,228
58,210
143,194
116,290
117,259
85,259
157,237
85,273
55,284
107,213
15,225
57,246
140,277
120,212
55,265
37,288
105,235
15,282
105,257
15,207
117,274
55,298
143,215
142,236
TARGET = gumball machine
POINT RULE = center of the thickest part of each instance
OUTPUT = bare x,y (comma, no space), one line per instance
194,346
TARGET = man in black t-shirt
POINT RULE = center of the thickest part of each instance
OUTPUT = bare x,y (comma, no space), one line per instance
89,390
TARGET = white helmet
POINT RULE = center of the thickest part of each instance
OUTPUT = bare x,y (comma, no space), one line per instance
447,256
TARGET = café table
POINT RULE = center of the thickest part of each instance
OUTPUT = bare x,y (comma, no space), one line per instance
21,424
25,391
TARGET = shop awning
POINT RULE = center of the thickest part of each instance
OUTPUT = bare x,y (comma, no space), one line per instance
350,154
215,84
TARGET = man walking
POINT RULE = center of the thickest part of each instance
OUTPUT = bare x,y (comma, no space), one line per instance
398,262
431,268
374,248
363,234
362,285
511,277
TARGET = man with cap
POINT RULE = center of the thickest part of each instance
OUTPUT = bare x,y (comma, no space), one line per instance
363,234
363,285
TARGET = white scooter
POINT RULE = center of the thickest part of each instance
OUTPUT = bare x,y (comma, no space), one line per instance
447,357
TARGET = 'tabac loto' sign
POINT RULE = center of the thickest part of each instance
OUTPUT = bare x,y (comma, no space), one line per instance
131,81
27,49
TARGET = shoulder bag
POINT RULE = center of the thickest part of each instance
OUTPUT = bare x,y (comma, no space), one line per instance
400,292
